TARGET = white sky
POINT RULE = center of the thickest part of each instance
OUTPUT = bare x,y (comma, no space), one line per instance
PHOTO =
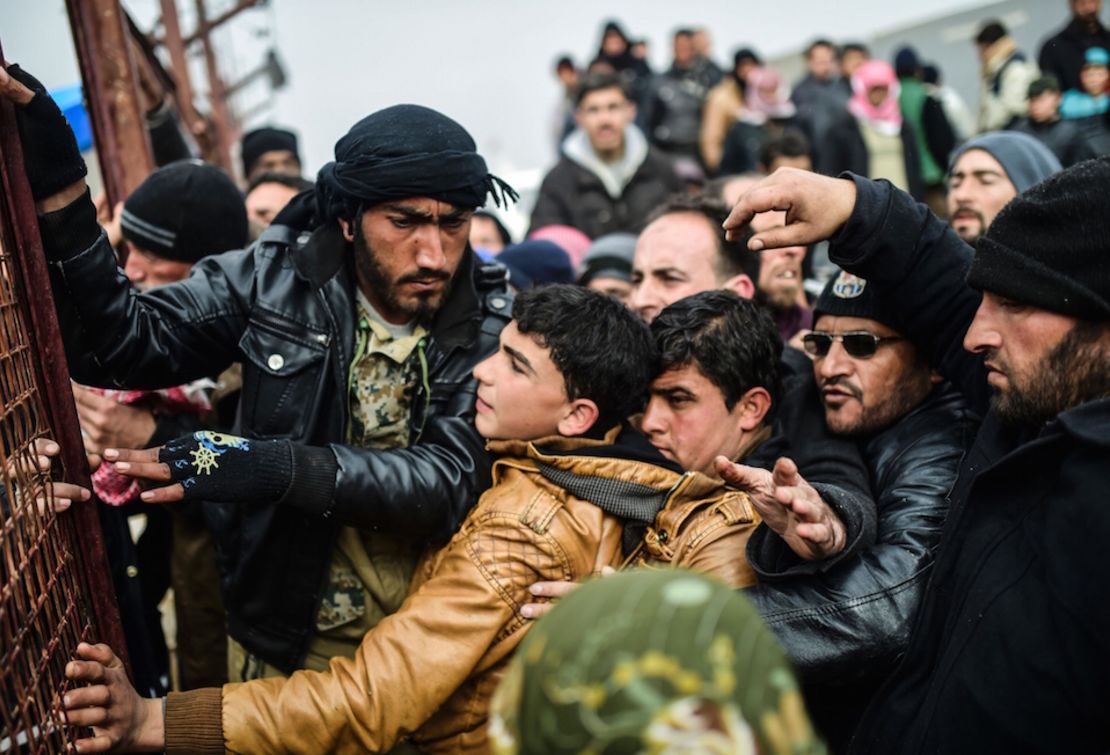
487,64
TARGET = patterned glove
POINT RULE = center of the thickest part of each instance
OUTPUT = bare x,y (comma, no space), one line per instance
218,467
50,154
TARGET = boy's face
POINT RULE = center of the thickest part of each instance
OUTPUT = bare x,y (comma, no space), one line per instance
521,393
1094,79
688,421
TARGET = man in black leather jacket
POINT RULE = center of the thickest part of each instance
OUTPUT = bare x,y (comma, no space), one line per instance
845,628
286,309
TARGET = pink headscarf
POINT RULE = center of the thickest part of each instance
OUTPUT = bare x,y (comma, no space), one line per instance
887,116
757,107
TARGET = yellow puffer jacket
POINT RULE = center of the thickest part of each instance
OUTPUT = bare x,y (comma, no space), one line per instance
427,672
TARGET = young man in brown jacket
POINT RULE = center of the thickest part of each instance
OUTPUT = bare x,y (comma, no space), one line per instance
574,488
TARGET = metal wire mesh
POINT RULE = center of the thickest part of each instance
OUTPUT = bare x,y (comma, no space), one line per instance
43,608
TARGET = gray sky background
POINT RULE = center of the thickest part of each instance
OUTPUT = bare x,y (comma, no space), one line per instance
487,64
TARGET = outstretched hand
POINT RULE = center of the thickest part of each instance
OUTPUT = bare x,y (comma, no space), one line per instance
789,506
210,466
121,721
816,207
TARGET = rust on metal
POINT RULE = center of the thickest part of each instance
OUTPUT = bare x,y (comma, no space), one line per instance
55,585
108,70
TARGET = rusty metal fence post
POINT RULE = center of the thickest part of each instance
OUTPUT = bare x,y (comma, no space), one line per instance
55,585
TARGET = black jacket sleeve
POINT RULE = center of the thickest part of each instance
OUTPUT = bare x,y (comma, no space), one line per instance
116,337
918,260
832,465
850,622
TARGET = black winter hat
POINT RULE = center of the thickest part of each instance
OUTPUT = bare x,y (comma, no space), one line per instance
185,211
262,140
846,295
1050,246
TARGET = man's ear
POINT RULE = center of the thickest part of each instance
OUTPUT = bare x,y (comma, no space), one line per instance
741,285
348,229
935,377
579,417
753,406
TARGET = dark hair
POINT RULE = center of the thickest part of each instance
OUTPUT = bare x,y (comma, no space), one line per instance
502,231
595,81
930,73
683,32
732,341
821,42
792,143
859,47
603,350
745,53
991,32
733,257
564,61
293,182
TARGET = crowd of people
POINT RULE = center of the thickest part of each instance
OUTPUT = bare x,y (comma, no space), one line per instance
825,370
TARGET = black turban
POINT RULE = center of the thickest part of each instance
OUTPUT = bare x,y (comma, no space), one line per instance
405,151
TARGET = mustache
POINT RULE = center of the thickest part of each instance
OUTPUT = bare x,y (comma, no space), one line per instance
843,383
424,276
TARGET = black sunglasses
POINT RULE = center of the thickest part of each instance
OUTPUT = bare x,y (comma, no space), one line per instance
858,343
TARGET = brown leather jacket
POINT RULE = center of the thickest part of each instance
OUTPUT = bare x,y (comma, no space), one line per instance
427,672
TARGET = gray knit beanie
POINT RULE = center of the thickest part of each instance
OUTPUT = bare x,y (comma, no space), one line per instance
1024,158
1048,246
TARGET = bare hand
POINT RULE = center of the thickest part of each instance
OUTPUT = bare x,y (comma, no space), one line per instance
816,207
789,506
121,720
61,494
109,218
144,464
106,423
553,591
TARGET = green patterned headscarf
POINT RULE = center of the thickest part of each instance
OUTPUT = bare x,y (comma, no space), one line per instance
652,661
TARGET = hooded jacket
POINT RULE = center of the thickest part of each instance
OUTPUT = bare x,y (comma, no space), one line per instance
427,672
285,309
575,193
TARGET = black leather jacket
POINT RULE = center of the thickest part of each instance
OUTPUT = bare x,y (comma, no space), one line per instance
844,624
285,309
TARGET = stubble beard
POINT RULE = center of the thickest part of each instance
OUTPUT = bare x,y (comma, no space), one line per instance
1075,371
383,289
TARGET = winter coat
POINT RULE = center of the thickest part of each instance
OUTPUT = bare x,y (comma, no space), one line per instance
1007,651
1063,137
846,628
1062,55
428,671
845,149
572,194
1004,86
285,309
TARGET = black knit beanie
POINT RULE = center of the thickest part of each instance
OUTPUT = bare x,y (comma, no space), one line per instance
185,211
262,140
846,295
1050,246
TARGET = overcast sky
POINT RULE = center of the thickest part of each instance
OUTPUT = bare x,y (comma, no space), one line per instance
487,64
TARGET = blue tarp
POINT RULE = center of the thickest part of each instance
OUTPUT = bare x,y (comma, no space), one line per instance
72,104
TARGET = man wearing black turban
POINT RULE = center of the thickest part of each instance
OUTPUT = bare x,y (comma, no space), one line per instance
357,316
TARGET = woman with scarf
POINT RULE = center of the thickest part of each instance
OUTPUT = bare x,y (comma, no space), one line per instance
767,114
873,139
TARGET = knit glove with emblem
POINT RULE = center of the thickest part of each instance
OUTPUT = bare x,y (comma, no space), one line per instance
218,467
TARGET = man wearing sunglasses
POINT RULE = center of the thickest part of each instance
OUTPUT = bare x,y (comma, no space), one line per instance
845,628
1008,651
